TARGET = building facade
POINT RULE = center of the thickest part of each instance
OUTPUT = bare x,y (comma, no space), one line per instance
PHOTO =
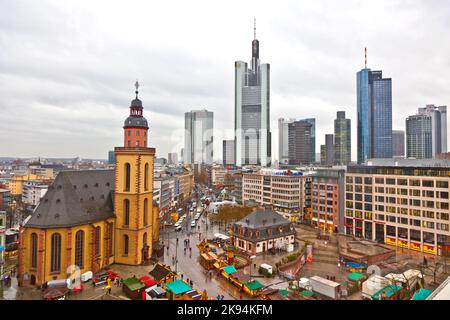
426,132
33,191
228,157
172,158
374,110
285,191
198,140
252,111
419,137
342,139
89,219
2,243
301,149
328,199
398,143
283,140
402,205
263,231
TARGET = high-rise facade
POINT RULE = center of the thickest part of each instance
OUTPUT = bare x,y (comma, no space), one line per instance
252,111
439,126
172,158
300,143
198,141
342,139
374,108
283,140
228,152
419,137
329,149
398,143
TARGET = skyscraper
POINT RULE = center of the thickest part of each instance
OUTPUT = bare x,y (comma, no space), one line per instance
283,140
329,149
228,152
172,158
300,143
398,143
342,139
374,108
426,132
198,141
439,123
252,111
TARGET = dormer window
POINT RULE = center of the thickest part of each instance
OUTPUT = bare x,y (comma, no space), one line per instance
96,185
58,200
108,184
85,186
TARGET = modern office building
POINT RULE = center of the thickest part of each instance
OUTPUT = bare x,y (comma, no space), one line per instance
111,157
328,199
172,158
300,143
342,139
252,111
402,203
329,149
283,140
198,141
398,143
426,132
228,152
374,109
285,191
33,191
438,117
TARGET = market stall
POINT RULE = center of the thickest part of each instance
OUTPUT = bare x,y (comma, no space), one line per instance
133,288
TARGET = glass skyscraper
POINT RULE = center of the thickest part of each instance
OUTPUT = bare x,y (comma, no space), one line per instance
374,108
198,141
252,111
342,139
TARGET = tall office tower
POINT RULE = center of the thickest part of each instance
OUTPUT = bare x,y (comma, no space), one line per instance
329,149
439,124
182,155
374,108
426,132
419,143
283,140
398,143
228,152
323,154
198,141
172,158
342,139
312,121
252,111
300,143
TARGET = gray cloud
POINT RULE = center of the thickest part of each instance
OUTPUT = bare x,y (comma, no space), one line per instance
67,68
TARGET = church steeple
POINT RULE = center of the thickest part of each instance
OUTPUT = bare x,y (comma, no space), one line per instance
136,126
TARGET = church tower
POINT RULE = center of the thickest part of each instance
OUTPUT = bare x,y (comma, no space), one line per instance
136,224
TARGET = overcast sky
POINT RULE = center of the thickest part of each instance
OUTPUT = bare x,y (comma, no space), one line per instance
67,68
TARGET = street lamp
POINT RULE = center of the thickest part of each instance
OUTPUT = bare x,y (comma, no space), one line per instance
251,261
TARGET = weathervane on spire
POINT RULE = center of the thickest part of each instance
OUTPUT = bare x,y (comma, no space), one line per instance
254,29
137,88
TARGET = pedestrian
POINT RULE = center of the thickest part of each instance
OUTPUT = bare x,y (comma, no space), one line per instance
182,275
241,296
184,250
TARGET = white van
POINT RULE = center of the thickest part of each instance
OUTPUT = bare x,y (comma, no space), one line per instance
86,276
58,283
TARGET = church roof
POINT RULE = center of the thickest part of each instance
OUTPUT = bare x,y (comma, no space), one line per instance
76,198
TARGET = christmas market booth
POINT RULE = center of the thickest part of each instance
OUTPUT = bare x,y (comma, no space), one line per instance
176,289
133,288
162,274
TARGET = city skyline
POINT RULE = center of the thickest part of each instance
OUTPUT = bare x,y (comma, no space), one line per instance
80,88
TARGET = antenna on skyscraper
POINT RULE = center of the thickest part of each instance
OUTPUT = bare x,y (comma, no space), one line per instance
365,56
254,29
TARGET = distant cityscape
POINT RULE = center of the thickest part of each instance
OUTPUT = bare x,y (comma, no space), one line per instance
309,225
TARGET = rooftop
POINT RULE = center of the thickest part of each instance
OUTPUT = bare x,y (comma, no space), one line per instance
76,198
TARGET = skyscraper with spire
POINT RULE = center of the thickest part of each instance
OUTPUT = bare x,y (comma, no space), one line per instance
252,111
374,108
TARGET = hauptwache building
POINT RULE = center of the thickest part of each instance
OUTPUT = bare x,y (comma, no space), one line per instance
94,218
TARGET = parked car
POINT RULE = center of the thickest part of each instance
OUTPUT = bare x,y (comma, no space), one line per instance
193,224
